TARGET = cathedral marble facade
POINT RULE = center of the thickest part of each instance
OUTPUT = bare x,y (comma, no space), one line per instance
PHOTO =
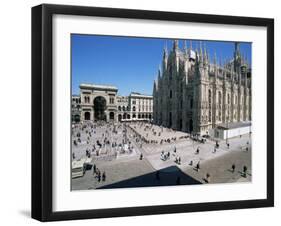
195,95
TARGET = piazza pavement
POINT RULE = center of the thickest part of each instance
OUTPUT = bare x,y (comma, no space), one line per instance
131,155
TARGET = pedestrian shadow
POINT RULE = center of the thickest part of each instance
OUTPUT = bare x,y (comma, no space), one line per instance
168,176
242,174
195,169
205,180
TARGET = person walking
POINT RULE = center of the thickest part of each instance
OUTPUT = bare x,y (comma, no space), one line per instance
217,144
233,168
99,177
94,169
215,150
198,166
103,176
245,171
208,178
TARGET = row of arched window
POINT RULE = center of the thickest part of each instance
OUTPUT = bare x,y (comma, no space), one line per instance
111,100
123,108
86,99
76,100
139,116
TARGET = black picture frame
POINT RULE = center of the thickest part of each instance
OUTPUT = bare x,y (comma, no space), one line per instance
42,111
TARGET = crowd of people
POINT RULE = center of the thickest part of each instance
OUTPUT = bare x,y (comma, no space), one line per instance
153,134
100,139
98,175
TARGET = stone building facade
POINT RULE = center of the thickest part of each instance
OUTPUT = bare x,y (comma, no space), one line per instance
141,106
102,102
75,108
98,102
195,95
124,111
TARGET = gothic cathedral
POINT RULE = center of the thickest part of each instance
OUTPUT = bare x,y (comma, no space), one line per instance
195,95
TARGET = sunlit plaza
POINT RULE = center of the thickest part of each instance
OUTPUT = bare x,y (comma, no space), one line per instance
135,154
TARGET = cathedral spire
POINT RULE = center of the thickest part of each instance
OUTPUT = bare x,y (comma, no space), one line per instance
201,52
215,65
165,57
176,45
205,55
231,74
186,71
220,62
165,50
155,86
215,59
237,56
237,48
185,48
205,50
176,54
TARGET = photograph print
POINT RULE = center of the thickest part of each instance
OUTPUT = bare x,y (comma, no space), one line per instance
151,112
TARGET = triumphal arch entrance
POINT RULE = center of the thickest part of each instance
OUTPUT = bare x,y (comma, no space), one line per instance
98,103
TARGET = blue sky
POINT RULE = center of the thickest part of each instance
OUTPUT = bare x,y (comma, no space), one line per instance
129,63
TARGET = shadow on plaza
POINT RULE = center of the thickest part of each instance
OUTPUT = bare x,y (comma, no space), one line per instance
165,177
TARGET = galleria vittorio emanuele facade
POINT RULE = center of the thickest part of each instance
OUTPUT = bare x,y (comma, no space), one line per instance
196,95
102,102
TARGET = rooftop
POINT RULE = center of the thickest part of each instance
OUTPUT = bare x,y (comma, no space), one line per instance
233,125
95,86
135,94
